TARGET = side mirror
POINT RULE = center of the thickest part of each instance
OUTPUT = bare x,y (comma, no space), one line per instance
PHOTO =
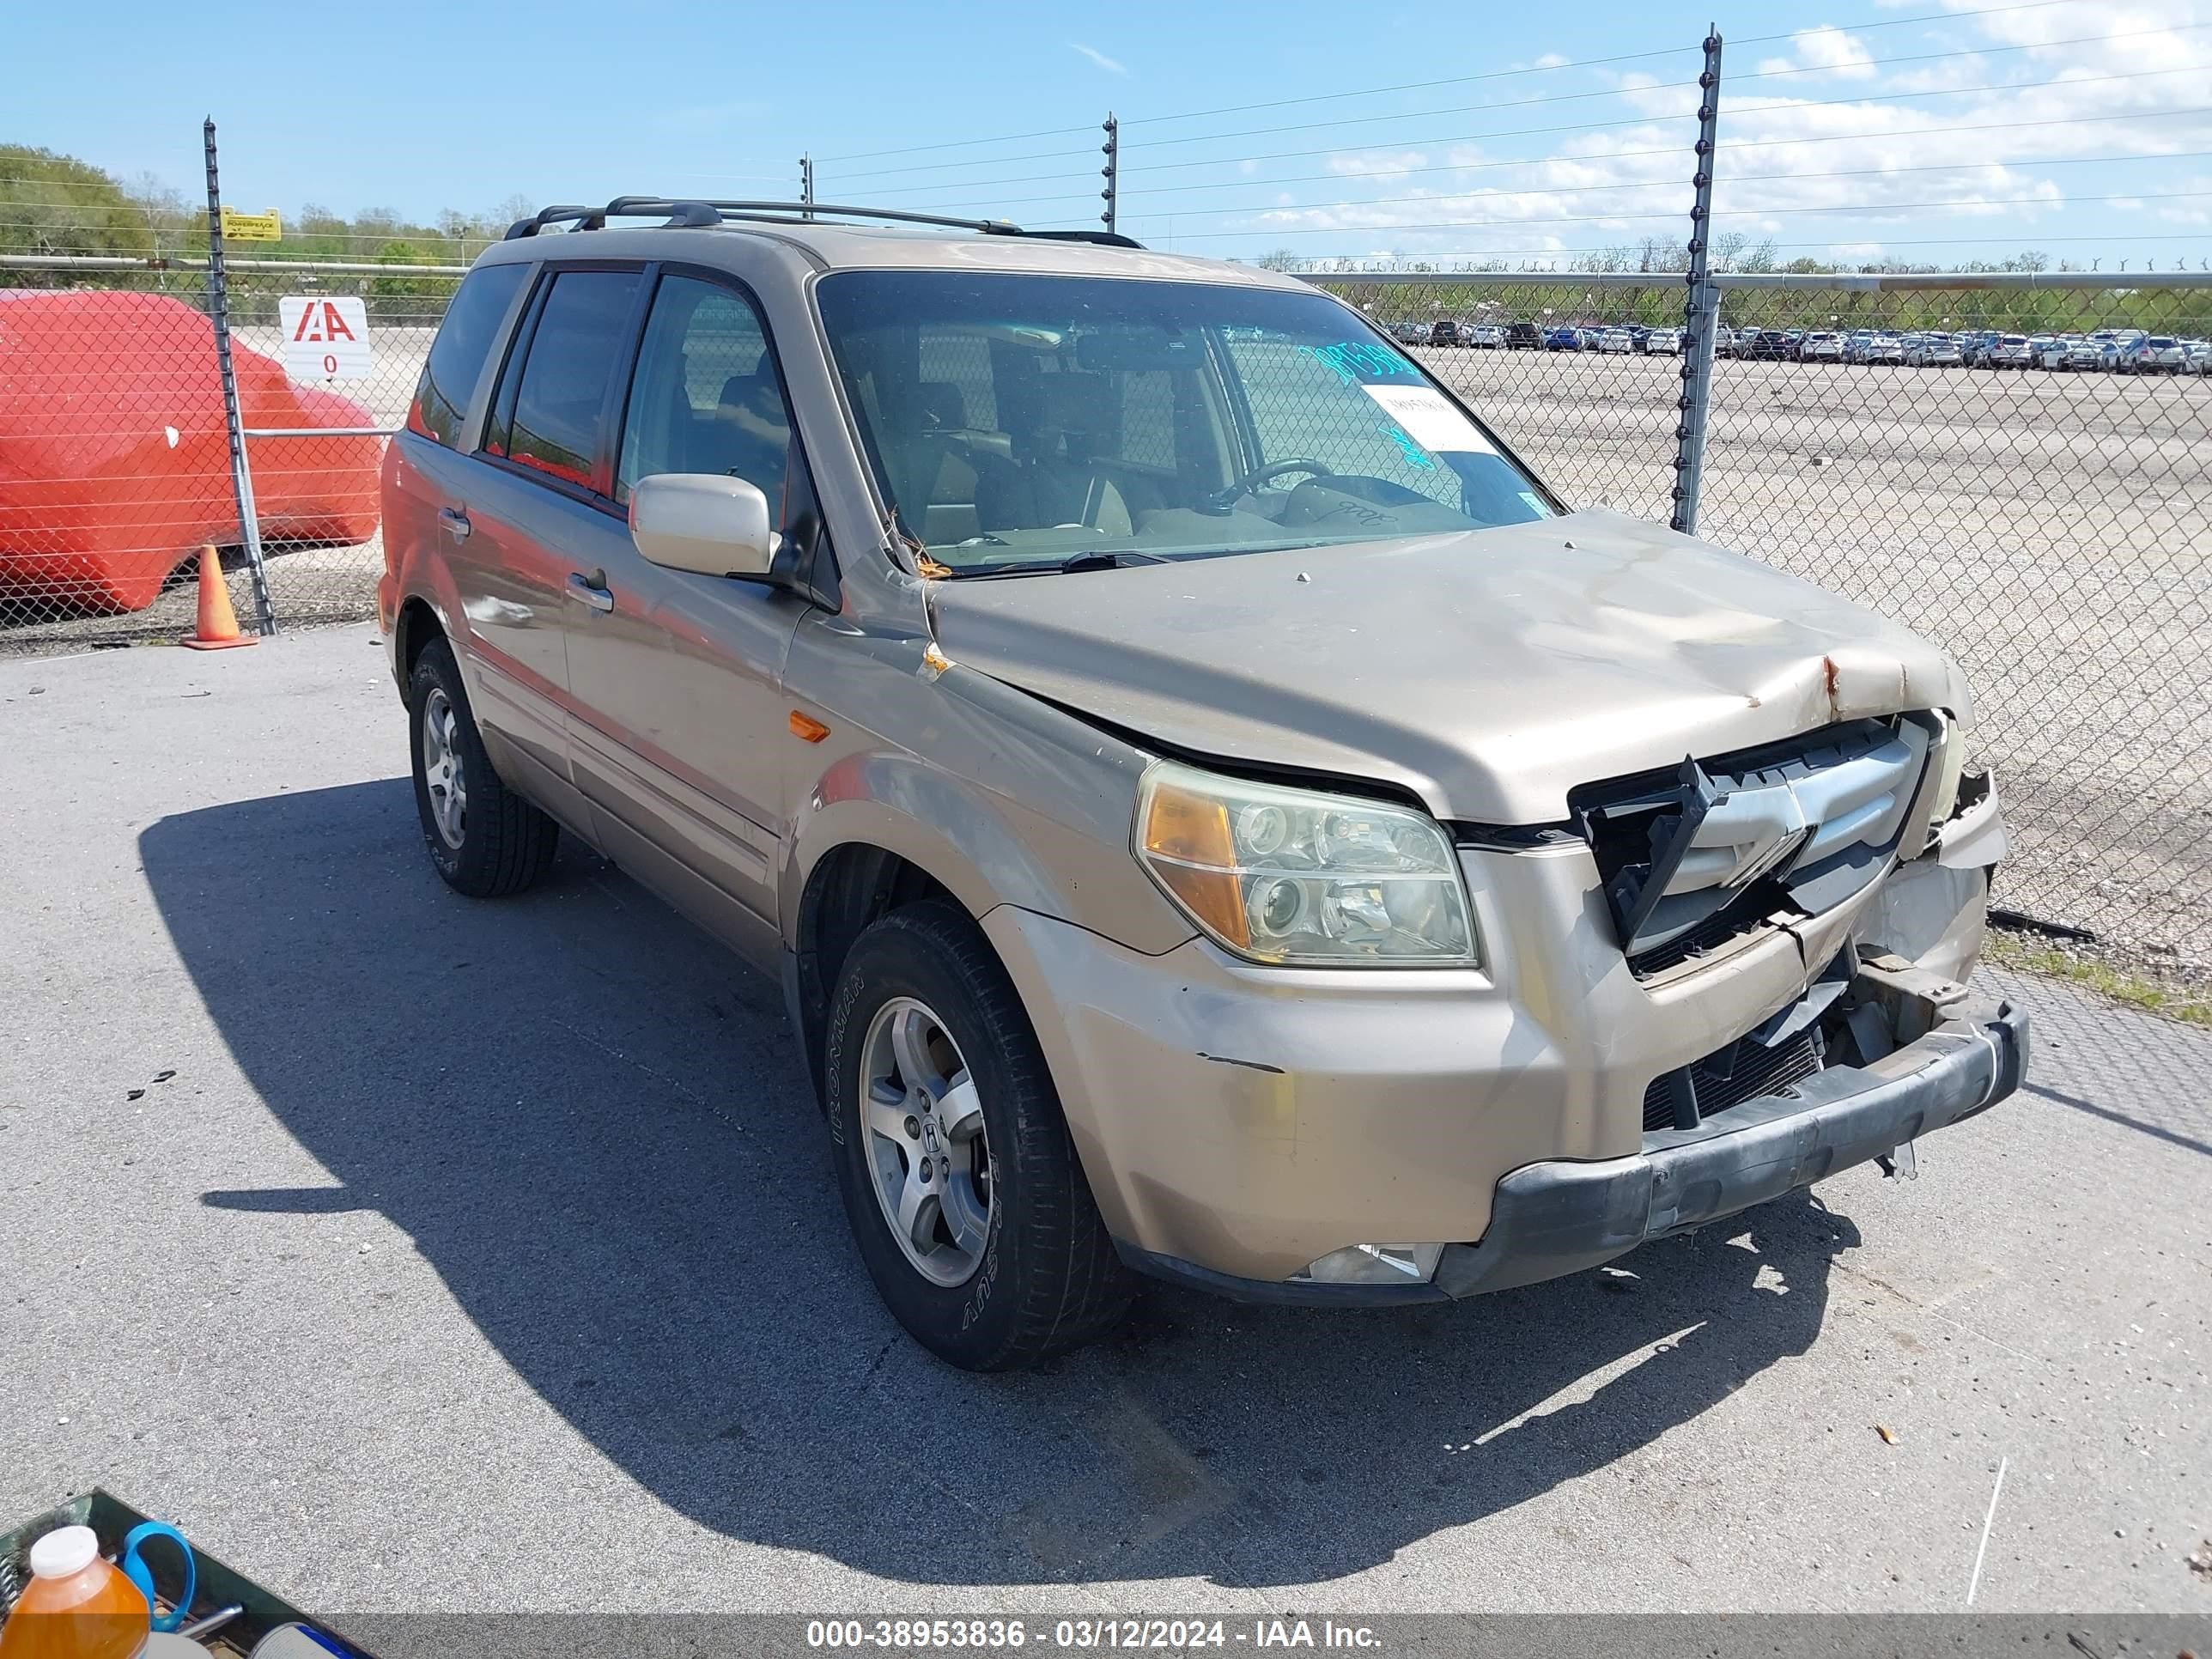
703,521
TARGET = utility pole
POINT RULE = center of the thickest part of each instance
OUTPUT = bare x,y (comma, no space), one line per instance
1701,314
806,185
1111,173
241,469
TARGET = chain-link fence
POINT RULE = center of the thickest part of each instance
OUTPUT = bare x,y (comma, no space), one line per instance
2023,472
114,454
2020,468
305,316
111,415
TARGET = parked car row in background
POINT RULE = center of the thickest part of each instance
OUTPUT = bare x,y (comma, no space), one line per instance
2121,351
2117,351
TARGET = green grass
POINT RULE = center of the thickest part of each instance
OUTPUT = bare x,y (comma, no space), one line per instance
2190,1004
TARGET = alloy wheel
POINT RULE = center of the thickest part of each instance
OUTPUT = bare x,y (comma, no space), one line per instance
922,1125
442,767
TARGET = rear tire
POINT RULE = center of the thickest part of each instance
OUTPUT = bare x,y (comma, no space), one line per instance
484,839
1029,1271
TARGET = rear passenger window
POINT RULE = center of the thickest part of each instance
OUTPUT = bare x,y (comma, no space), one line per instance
706,397
580,334
457,356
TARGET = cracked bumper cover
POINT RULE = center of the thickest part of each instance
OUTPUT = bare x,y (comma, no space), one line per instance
1555,1218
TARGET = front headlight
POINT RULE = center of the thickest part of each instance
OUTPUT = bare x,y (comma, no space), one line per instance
1950,767
1295,876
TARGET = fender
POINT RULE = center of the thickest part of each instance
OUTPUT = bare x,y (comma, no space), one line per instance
999,796
957,832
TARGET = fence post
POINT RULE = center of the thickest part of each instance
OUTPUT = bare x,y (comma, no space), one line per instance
241,474
1111,173
1701,315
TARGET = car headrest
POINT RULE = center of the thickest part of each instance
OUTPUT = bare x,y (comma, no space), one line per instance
757,390
942,408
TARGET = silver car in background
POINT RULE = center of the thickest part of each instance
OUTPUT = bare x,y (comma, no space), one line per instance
1931,351
2007,351
1821,348
2155,354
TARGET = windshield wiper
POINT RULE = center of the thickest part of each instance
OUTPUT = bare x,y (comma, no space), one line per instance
1091,559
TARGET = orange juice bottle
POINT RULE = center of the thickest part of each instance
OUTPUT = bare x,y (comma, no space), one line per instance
76,1605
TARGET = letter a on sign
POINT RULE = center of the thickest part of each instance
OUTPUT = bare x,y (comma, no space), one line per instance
325,336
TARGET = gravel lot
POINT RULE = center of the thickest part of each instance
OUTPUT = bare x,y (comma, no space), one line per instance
488,1256
2052,531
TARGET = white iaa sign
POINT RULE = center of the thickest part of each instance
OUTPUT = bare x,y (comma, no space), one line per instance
325,336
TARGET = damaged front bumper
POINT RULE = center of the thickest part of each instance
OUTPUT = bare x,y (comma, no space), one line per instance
1557,1216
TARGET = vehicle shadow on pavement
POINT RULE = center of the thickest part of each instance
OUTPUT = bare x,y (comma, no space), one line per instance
594,1125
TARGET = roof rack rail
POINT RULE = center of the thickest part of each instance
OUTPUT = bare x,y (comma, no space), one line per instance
680,211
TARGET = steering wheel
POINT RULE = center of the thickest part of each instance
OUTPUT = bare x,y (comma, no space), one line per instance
1222,500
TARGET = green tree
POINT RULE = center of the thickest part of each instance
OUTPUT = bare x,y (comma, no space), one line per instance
53,204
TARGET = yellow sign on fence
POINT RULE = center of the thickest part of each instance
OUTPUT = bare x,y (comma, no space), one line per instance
251,227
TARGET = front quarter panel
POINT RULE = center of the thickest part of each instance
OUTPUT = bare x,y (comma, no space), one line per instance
1000,797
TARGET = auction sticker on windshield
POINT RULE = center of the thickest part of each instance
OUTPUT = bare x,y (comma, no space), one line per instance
1430,420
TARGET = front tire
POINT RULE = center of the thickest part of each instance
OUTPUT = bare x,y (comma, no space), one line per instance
965,1197
484,839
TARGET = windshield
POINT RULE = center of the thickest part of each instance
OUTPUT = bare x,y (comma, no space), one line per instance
1017,420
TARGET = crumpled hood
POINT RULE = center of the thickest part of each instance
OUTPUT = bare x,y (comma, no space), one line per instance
1489,672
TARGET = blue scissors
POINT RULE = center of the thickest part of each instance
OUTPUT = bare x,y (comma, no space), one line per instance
140,1574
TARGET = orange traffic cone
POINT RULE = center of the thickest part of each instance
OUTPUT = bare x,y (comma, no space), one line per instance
217,629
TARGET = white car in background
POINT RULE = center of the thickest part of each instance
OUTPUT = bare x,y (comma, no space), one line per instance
1483,334
2068,352
1822,347
1664,342
2008,351
1616,339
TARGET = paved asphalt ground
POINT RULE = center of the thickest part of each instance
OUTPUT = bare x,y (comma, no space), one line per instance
487,1256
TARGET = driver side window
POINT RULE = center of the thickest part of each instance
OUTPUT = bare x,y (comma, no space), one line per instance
706,397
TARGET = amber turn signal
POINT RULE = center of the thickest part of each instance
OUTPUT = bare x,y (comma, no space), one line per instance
1187,843
806,728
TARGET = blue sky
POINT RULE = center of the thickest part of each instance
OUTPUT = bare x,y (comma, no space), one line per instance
1932,130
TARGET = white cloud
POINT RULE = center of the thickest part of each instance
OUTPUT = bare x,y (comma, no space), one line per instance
1112,66
1553,60
1830,48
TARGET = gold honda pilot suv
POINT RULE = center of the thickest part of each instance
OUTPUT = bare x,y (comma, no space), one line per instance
1214,811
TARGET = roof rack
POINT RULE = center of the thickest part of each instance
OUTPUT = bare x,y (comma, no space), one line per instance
681,212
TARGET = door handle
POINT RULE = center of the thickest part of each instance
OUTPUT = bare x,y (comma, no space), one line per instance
590,590
455,523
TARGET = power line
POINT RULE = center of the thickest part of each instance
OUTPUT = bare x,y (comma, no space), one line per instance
1727,149
1596,126
1448,81
1644,120
1874,64
1870,210
1674,278
1582,190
